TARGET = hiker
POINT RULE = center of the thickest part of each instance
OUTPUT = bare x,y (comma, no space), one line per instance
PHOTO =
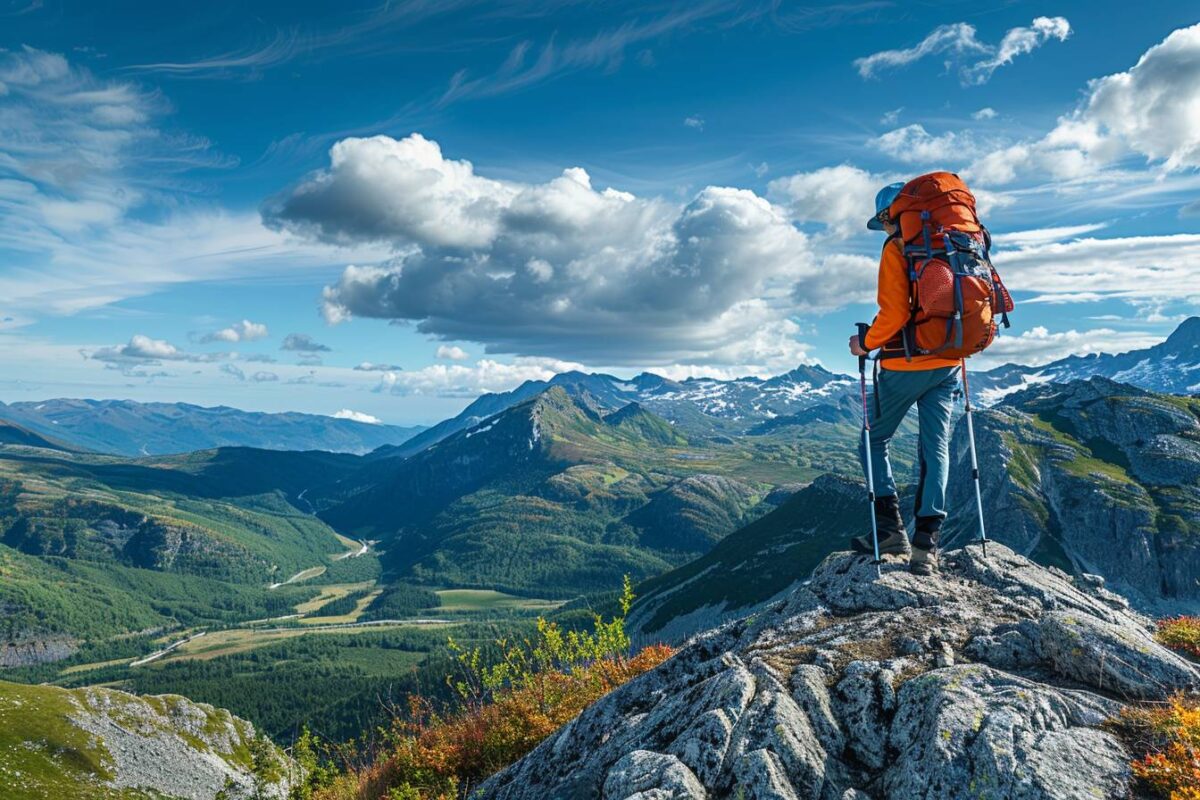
938,300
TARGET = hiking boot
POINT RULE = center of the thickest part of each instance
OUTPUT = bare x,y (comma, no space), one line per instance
923,560
889,523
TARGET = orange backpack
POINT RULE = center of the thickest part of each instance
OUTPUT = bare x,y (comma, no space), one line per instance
955,294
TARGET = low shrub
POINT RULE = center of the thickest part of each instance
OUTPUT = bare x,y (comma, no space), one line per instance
1169,738
1180,633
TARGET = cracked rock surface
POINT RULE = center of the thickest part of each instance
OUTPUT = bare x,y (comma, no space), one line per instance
991,679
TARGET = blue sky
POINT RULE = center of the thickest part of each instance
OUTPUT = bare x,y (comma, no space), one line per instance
445,198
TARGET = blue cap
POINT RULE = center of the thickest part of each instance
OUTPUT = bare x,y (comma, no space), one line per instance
886,196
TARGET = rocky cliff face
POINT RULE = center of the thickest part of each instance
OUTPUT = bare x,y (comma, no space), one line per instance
990,680
1096,477
102,743
28,651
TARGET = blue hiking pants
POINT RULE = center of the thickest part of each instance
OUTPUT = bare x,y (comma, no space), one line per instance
894,394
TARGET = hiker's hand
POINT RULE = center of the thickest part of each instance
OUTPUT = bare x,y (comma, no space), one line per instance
856,346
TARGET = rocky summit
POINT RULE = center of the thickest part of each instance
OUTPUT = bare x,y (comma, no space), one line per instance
993,679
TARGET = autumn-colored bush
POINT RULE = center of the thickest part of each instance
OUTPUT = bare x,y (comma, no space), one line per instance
505,710
1169,737
1180,633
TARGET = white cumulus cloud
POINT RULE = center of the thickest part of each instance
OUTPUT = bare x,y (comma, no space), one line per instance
463,380
143,349
842,198
1150,110
357,416
244,331
560,268
451,353
913,144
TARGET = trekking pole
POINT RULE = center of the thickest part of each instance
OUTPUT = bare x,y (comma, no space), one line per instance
974,460
862,385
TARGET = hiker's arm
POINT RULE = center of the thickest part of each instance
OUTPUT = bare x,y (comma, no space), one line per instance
893,298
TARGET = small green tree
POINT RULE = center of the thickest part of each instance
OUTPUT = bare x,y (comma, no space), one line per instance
266,767
312,771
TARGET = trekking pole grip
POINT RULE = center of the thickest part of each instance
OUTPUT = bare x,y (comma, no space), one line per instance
862,342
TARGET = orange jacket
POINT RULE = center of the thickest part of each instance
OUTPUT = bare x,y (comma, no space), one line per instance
894,311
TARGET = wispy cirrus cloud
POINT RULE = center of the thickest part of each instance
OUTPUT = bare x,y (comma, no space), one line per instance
959,43
531,62
373,31
93,195
1134,268
280,49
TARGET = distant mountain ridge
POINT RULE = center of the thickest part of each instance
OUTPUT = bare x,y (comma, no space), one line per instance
1170,367
708,407
131,428
698,406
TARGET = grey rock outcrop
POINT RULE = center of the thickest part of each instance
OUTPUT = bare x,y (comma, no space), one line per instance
991,679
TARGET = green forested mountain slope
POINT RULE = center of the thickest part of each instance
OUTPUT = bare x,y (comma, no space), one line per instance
97,546
554,497
753,564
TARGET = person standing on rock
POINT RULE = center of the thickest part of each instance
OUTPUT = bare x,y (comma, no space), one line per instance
939,297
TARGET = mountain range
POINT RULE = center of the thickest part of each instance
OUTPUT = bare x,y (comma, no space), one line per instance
704,407
1095,477
712,408
701,407
129,428
1171,367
